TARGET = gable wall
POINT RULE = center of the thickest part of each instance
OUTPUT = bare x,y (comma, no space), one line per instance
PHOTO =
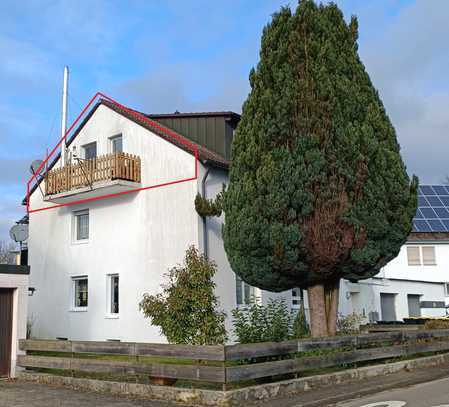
138,235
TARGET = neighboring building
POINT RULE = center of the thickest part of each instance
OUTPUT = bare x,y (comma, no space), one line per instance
13,314
91,262
416,283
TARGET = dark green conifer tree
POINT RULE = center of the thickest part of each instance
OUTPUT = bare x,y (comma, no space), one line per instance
318,190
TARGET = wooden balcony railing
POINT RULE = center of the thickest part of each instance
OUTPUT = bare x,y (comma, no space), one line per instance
113,166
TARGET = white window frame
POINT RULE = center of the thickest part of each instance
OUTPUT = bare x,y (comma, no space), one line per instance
75,215
73,306
111,141
109,313
434,255
247,292
420,250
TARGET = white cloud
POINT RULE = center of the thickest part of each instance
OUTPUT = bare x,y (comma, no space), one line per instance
408,61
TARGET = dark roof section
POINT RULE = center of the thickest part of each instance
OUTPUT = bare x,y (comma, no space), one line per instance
227,114
212,130
205,155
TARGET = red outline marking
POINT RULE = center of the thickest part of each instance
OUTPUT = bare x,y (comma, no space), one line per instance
137,115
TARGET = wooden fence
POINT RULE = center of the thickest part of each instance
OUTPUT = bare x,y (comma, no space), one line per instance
106,167
234,363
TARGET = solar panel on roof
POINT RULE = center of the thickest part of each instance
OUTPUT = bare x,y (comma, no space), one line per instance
434,200
428,213
442,213
419,215
432,214
421,226
427,190
436,225
440,189
422,201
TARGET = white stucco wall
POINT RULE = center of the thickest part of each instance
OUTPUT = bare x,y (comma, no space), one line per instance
139,236
399,268
19,283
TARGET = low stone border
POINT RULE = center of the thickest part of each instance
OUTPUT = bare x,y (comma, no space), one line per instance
235,397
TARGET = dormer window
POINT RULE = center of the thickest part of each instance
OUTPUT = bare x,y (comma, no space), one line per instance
117,144
90,151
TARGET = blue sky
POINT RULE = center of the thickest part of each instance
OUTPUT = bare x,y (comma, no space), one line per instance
162,56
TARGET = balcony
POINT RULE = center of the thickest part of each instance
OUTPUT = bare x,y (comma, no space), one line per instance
107,174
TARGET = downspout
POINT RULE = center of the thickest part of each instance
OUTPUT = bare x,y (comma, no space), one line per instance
203,194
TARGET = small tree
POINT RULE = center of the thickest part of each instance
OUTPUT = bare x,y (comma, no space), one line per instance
318,190
187,309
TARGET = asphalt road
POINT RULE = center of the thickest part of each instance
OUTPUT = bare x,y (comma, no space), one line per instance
430,394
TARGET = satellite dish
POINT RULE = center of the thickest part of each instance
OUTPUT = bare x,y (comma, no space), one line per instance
19,233
34,167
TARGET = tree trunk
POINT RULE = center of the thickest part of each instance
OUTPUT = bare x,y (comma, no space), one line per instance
332,294
323,304
318,325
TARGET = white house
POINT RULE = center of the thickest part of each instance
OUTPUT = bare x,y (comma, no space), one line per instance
92,259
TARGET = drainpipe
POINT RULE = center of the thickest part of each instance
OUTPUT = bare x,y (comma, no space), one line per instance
203,194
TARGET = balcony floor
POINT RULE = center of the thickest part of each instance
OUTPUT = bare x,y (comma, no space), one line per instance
98,188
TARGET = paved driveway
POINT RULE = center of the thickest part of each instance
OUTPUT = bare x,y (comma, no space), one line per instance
22,394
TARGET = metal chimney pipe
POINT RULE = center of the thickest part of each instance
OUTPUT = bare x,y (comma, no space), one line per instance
64,115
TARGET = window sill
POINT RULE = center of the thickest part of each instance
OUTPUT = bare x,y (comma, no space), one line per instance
112,316
81,309
77,242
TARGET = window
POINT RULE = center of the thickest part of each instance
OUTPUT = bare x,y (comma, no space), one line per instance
446,286
421,255
81,225
297,298
413,256
80,292
428,256
90,151
113,294
244,292
117,144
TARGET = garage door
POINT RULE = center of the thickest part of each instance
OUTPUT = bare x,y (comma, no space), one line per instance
6,298
388,306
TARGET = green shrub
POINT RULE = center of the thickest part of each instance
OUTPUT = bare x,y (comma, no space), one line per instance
263,323
349,324
187,310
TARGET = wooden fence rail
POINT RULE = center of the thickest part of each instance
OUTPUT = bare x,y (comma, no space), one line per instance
230,364
86,172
